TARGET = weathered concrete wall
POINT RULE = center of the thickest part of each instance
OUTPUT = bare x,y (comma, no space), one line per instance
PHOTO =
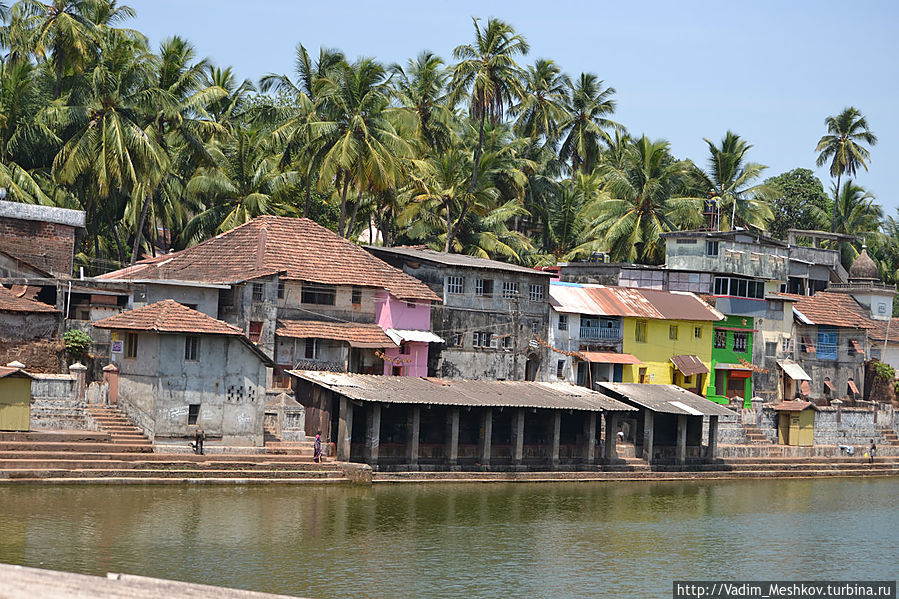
12,267
54,403
856,426
16,325
740,256
202,299
847,364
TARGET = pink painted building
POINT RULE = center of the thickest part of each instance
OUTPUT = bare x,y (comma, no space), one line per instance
408,324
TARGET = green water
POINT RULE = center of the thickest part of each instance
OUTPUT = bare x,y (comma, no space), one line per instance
477,540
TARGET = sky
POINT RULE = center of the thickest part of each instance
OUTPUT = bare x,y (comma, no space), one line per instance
771,71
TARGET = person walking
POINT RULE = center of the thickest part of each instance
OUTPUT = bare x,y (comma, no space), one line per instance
199,437
317,448
872,452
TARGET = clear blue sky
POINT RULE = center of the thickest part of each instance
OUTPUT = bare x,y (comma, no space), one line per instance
769,70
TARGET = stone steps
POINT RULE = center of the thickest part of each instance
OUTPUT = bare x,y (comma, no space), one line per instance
75,447
112,480
120,428
112,463
165,473
147,457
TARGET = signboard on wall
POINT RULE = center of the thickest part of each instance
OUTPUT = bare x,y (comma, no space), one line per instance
117,347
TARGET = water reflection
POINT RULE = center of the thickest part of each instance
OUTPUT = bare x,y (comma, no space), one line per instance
519,540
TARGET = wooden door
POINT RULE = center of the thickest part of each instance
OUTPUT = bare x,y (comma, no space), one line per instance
15,404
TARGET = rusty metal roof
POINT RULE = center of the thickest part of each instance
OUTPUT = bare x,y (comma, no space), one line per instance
6,371
632,302
462,392
795,405
602,357
689,365
667,399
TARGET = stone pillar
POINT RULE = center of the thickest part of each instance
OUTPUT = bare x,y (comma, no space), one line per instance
111,378
681,449
648,430
518,437
590,438
80,371
611,453
452,436
485,437
373,434
344,429
713,438
556,437
413,427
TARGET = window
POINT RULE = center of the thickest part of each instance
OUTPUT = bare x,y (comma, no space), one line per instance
280,289
356,297
311,349
560,369
683,241
455,285
740,342
672,332
697,332
507,341
786,345
739,288
258,291
193,413
484,287
131,345
483,339
640,331
510,289
720,339
721,286
536,293
410,305
457,340
255,332
314,293
191,348
641,376
771,348
711,248
563,322
827,344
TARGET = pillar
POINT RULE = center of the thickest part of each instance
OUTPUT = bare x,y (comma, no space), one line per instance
413,427
372,434
681,449
79,370
111,378
344,429
611,453
590,438
518,437
452,436
556,437
713,438
648,430
485,436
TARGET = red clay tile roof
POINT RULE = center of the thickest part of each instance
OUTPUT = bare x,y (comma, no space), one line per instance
356,334
10,302
795,405
879,330
168,316
833,309
299,248
6,371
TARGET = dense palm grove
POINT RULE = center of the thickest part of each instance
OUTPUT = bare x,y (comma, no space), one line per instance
481,153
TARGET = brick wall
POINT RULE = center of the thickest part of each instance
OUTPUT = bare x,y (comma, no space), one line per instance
48,246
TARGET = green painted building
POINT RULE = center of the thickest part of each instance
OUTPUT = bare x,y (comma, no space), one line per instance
731,374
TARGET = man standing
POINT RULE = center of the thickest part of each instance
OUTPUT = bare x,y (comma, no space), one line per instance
317,448
199,437
872,452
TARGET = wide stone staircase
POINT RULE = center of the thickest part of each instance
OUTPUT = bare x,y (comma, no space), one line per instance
95,457
754,436
121,429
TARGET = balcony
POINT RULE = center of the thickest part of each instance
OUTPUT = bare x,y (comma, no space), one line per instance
600,334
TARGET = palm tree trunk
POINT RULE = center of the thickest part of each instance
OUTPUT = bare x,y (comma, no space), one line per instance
140,230
115,235
477,154
57,89
308,198
342,220
836,199
352,222
449,228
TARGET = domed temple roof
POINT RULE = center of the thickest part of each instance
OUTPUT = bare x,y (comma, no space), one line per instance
864,267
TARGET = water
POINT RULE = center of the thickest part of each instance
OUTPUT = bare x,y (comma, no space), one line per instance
476,540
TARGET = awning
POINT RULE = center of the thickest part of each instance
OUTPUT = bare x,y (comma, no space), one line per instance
830,386
795,405
360,335
666,399
805,388
736,329
853,387
689,365
793,370
601,357
400,335
727,366
855,345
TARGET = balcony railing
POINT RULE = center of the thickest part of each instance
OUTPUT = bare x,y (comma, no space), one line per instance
601,333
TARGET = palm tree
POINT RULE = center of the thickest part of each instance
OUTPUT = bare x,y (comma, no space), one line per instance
729,181
543,105
856,214
842,146
646,197
588,125
420,87
488,69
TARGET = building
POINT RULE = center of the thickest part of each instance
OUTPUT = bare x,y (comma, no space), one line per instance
628,334
732,365
180,369
37,240
28,330
492,314
307,297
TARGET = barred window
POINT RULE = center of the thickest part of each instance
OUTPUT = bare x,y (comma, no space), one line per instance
536,293
720,339
740,342
510,289
484,287
455,285
563,322
640,331
258,291
315,293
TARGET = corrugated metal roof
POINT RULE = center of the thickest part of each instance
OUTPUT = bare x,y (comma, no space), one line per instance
601,357
794,370
631,302
689,365
399,335
448,259
793,406
667,399
462,392
6,371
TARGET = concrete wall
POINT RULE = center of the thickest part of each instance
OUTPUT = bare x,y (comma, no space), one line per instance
291,306
54,403
18,325
202,299
392,313
735,256
848,363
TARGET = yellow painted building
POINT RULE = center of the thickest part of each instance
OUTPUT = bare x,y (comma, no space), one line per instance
656,341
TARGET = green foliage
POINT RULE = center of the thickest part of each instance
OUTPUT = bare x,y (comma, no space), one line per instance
799,202
77,342
884,372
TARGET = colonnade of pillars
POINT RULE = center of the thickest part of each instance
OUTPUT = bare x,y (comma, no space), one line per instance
680,449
